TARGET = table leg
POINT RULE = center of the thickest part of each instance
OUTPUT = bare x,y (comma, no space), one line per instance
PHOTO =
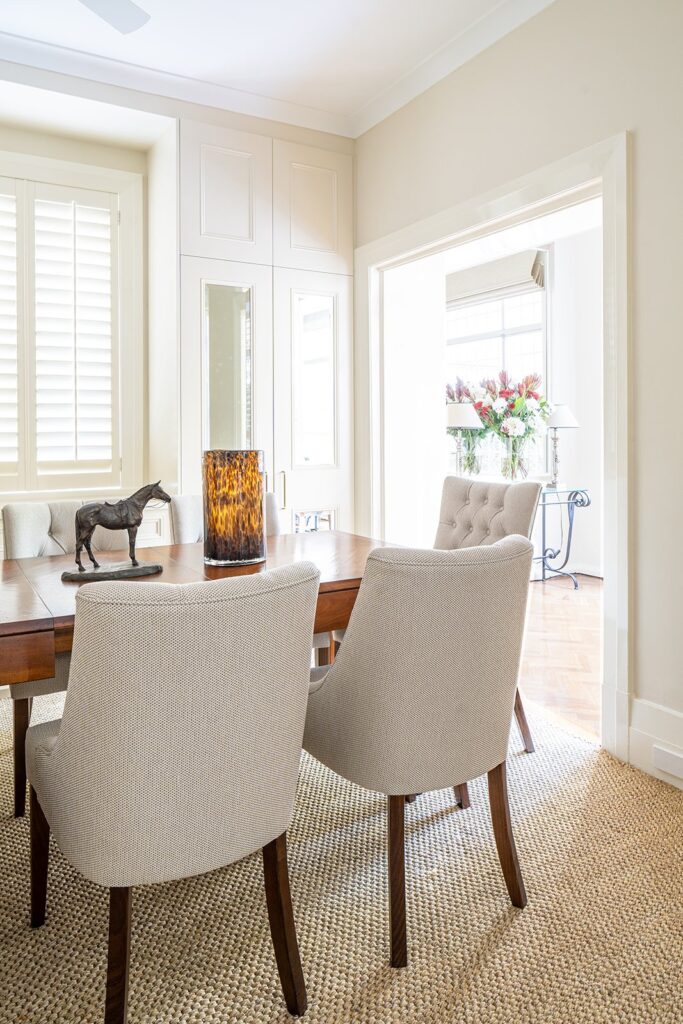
22,715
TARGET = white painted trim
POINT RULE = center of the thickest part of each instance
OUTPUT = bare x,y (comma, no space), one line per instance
600,169
506,16
75,63
654,725
129,249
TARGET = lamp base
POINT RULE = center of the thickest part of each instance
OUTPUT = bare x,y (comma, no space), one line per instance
233,561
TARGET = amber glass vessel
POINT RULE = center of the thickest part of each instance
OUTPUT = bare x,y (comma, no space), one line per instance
234,520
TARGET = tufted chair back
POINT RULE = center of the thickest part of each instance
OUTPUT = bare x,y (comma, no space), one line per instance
179,747
420,695
35,528
476,512
187,517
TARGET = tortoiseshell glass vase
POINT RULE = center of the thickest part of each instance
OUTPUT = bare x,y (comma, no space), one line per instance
234,520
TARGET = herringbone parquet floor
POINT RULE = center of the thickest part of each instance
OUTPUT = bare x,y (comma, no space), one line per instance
562,664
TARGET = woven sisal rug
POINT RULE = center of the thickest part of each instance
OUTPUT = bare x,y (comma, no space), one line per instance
601,847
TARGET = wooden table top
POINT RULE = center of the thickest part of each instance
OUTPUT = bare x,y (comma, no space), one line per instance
34,598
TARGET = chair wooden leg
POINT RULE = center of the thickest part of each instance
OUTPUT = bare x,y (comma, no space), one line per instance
282,927
397,882
502,830
118,960
40,849
22,715
462,796
520,715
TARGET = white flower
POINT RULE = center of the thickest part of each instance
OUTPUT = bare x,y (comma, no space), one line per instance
514,427
532,404
500,405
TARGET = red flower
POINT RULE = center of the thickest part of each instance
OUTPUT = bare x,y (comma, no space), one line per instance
506,392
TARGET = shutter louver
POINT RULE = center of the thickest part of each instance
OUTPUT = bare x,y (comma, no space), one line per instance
9,381
73,333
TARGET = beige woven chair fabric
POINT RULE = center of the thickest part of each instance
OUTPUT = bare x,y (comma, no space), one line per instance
187,521
35,528
476,512
420,696
179,747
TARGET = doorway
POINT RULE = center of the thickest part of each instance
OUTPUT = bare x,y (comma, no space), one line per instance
598,172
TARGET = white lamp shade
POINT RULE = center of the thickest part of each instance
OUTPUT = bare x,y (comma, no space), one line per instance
562,416
463,415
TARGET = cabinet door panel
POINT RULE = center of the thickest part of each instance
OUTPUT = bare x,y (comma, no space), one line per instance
312,213
225,193
226,362
313,400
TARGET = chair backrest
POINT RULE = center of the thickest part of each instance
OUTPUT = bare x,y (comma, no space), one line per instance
35,528
187,517
421,693
180,742
475,512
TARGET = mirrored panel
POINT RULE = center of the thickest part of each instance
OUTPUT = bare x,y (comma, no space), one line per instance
316,521
313,380
227,366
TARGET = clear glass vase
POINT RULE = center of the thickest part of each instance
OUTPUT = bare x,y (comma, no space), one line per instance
514,465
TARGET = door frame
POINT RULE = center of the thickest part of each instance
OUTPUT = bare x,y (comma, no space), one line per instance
600,169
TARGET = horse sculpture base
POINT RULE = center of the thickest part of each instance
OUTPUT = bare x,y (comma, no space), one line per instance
113,571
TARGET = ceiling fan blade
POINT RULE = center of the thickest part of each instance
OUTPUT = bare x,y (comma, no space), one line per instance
123,15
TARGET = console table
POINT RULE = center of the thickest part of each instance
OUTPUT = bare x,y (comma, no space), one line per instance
571,499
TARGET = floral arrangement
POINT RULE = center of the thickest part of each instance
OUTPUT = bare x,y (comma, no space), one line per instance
513,412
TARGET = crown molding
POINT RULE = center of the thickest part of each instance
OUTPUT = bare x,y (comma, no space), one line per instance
507,16
76,64
504,18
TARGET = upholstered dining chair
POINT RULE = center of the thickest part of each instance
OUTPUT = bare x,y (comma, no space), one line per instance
477,512
187,522
32,529
178,752
421,693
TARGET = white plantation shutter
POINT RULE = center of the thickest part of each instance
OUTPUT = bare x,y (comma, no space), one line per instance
9,349
74,317
59,345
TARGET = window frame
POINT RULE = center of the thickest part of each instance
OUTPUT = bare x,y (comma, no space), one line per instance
24,172
503,334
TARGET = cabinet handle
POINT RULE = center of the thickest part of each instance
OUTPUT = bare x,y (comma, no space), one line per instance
284,489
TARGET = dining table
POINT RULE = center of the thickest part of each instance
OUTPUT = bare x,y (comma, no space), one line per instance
37,607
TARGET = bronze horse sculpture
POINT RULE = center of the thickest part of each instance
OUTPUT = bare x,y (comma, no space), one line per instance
114,515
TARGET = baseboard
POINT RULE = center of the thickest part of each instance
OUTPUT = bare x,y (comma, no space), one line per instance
653,725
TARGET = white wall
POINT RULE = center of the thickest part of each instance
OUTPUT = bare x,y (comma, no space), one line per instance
163,404
413,400
574,75
575,378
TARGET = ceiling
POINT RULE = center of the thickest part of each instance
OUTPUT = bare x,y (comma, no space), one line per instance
335,65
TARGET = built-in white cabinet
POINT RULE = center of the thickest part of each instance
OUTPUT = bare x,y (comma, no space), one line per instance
226,363
225,193
312,208
313,399
265,316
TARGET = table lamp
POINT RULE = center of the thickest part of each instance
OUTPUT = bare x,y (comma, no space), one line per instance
234,520
462,416
560,418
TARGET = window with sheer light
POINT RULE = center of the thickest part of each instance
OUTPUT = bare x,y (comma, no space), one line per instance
59,338
494,333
